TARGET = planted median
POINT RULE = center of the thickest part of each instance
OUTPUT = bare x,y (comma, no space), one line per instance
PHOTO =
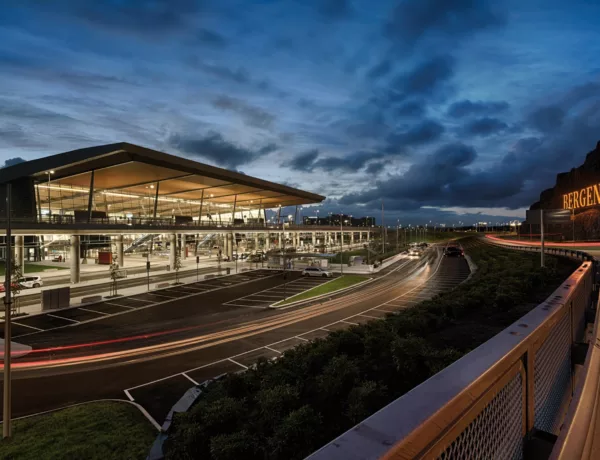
289,408
330,287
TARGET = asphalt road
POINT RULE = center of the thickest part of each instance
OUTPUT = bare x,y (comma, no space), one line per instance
196,336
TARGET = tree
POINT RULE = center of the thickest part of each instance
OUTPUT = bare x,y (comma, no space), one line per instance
114,273
177,266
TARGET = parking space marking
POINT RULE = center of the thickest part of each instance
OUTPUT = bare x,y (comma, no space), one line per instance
235,362
189,378
119,305
140,300
272,349
301,338
348,322
369,316
27,325
94,311
60,317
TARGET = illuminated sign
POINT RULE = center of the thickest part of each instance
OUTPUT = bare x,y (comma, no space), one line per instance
588,196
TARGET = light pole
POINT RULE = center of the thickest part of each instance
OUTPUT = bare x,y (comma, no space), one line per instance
341,245
48,186
6,426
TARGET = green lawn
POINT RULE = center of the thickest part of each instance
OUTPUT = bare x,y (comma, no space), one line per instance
35,268
326,288
102,431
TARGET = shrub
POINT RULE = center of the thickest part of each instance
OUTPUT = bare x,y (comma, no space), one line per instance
289,408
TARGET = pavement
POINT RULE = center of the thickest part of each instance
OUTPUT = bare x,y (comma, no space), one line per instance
151,349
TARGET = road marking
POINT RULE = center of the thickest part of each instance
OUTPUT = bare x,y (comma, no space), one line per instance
60,317
94,311
239,364
347,322
140,300
122,306
323,329
27,325
301,338
189,378
369,316
272,349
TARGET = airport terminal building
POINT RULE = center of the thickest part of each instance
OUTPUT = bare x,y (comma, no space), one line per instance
572,206
120,196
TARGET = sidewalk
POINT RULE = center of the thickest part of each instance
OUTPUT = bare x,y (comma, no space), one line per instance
367,269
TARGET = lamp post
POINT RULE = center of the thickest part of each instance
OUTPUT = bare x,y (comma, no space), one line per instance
341,245
49,207
6,426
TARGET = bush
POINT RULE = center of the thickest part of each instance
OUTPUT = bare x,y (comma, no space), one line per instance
289,408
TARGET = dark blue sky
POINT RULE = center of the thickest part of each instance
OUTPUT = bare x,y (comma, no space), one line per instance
438,106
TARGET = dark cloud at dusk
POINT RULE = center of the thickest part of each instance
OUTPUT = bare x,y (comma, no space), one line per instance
445,109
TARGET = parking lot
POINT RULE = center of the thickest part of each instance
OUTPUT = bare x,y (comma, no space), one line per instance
267,297
27,325
158,396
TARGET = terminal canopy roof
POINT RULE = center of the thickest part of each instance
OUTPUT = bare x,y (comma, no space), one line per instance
124,176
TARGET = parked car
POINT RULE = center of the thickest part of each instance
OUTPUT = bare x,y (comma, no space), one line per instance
31,282
316,271
454,251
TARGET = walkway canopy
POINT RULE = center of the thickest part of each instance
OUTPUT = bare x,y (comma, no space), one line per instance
125,180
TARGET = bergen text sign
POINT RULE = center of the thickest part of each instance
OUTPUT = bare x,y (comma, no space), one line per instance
587,196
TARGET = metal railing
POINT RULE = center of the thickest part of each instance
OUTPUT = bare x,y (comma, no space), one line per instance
489,403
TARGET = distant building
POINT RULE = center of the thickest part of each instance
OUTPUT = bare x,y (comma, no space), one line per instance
334,219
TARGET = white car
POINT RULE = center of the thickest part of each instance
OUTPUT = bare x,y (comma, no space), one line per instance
316,271
31,282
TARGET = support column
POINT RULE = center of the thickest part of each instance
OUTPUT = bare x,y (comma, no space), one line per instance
267,241
281,236
20,252
256,241
351,238
231,239
314,238
172,250
74,262
184,246
120,252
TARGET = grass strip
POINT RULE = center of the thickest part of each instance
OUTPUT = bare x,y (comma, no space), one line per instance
94,431
326,288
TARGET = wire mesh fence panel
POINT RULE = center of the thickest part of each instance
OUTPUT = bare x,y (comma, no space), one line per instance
552,376
496,433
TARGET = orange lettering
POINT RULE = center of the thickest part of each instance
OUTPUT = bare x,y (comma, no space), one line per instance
576,200
588,192
566,201
582,197
597,193
571,200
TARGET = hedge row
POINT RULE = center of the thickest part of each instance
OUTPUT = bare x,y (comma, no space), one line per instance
289,408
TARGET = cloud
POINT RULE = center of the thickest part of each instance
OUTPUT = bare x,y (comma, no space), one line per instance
238,75
426,79
485,127
335,9
13,161
380,70
410,109
426,132
211,38
415,20
547,119
311,160
252,116
375,168
213,147
142,17
466,108
304,161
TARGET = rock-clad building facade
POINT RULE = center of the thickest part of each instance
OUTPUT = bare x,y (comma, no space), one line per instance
576,197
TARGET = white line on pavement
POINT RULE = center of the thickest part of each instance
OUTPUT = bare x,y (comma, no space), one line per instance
60,317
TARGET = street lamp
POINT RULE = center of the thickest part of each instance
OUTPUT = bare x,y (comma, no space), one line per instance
341,246
49,207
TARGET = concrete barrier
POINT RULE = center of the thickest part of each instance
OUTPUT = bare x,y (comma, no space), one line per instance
92,298
162,285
